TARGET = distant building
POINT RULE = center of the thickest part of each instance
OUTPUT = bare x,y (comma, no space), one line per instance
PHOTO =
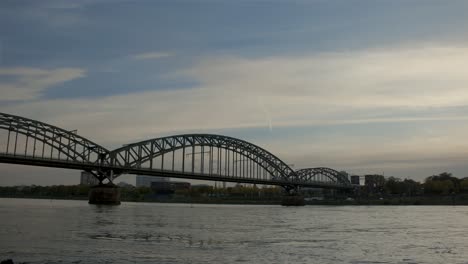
167,187
124,184
355,179
374,181
146,181
374,184
88,179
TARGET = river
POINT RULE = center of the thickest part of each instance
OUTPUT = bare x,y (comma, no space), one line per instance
61,231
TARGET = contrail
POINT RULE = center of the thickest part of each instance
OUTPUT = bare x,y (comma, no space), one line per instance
266,112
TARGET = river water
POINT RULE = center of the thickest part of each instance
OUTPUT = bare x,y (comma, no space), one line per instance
56,231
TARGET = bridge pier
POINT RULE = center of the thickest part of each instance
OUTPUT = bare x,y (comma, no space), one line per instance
104,194
293,200
292,197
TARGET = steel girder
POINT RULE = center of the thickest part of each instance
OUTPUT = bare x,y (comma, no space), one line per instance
321,174
133,155
76,152
72,146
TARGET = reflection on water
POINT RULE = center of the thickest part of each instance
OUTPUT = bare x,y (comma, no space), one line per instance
53,231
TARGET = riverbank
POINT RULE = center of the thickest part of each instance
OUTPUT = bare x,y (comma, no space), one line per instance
197,200
421,200
417,200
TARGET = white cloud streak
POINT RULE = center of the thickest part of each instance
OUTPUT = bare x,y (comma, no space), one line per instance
376,86
30,83
295,91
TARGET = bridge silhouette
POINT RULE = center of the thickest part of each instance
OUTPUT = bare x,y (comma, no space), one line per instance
190,156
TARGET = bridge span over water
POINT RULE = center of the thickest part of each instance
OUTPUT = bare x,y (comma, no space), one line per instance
191,156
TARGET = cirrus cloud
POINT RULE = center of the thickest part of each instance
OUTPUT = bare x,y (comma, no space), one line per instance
234,92
25,83
422,85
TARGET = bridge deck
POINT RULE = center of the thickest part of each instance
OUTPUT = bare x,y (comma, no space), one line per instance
191,156
55,163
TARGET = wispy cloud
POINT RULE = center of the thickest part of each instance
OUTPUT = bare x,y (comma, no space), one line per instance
29,83
367,87
151,55
415,77
319,89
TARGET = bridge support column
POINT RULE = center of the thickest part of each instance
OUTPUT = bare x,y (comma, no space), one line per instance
292,197
104,194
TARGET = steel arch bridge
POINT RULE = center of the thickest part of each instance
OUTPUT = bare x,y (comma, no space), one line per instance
27,138
323,175
192,156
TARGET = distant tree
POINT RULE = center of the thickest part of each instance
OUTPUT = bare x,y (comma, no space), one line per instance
344,173
464,185
182,192
394,185
443,183
411,187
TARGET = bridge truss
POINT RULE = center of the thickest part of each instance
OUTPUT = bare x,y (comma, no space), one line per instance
193,156
323,175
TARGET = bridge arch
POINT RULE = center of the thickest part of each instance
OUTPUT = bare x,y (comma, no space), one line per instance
31,138
220,158
324,175
220,155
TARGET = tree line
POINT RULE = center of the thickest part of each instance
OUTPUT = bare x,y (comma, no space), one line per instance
131,193
442,184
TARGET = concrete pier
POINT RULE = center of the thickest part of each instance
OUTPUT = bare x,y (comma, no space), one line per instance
104,194
293,200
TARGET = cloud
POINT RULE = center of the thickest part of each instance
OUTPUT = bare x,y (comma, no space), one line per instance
30,83
418,77
151,55
374,86
406,85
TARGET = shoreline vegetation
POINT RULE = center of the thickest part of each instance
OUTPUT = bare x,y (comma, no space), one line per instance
417,200
442,189
423,201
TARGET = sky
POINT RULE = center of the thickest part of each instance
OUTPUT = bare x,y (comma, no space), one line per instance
361,86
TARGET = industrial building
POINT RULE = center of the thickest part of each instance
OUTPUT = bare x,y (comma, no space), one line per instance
169,187
88,179
146,181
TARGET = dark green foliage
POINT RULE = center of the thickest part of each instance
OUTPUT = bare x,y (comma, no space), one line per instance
443,183
57,191
407,187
